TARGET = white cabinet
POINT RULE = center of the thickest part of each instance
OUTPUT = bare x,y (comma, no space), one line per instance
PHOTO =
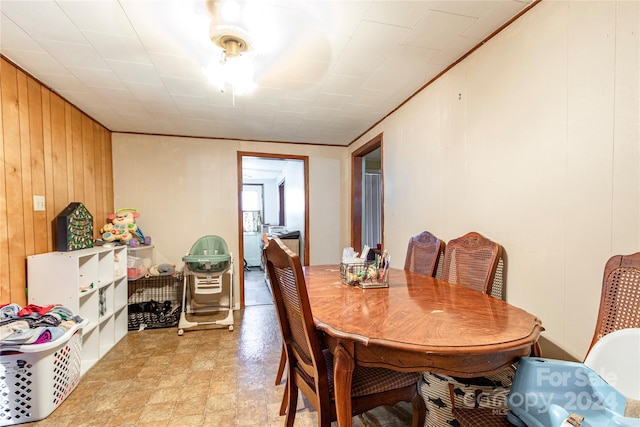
91,283
252,251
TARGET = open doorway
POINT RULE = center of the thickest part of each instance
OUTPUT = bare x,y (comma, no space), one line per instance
278,184
367,195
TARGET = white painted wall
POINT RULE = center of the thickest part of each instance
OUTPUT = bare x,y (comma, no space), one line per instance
293,174
186,188
532,141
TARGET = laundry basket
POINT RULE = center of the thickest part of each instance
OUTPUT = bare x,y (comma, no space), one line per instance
36,378
208,282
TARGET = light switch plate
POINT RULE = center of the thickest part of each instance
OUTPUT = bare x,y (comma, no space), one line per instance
38,203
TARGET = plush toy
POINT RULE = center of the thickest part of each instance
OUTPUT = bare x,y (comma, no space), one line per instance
122,227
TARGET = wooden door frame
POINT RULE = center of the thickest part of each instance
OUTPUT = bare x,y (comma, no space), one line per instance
356,189
305,162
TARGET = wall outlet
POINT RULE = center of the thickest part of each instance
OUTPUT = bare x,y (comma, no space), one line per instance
38,203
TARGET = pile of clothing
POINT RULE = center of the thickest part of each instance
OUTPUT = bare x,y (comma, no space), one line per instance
34,324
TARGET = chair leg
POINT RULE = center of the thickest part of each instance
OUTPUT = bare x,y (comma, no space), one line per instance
419,410
292,394
283,363
285,399
285,395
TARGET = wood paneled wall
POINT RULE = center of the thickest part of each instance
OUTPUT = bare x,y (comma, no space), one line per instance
48,148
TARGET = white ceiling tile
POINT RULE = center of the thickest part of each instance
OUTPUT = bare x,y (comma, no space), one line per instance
338,18
12,35
406,65
306,71
321,113
150,92
190,103
188,87
116,47
60,82
74,55
356,64
264,110
267,96
401,13
435,30
80,97
329,100
470,8
101,16
40,62
284,116
369,97
112,95
161,112
135,72
376,39
127,108
341,85
93,77
42,20
177,66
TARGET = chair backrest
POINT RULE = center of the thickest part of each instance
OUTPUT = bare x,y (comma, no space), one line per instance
620,298
209,245
299,334
471,261
424,254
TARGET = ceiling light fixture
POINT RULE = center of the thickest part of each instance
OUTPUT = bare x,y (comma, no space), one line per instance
235,69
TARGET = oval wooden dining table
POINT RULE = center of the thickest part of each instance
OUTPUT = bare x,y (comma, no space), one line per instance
417,324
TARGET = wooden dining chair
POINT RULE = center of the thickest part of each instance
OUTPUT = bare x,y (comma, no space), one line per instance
310,365
620,296
425,254
619,309
471,261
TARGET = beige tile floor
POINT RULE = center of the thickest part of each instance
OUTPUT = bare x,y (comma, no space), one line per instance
207,377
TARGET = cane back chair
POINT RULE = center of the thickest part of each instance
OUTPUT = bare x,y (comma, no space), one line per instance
425,254
620,296
471,261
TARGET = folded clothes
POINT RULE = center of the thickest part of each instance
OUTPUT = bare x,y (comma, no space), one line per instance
61,311
9,311
66,325
38,335
32,308
49,334
47,320
10,328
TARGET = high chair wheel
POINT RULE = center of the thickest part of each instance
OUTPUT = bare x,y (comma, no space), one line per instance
231,327
180,332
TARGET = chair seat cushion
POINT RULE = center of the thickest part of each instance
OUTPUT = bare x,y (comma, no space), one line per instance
489,392
367,380
481,417
372,380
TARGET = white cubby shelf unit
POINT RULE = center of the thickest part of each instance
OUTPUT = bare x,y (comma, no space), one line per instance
90,282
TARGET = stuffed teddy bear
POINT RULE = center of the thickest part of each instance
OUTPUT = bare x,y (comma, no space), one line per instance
122,226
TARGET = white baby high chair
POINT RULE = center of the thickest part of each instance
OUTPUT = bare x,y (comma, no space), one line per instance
208,269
